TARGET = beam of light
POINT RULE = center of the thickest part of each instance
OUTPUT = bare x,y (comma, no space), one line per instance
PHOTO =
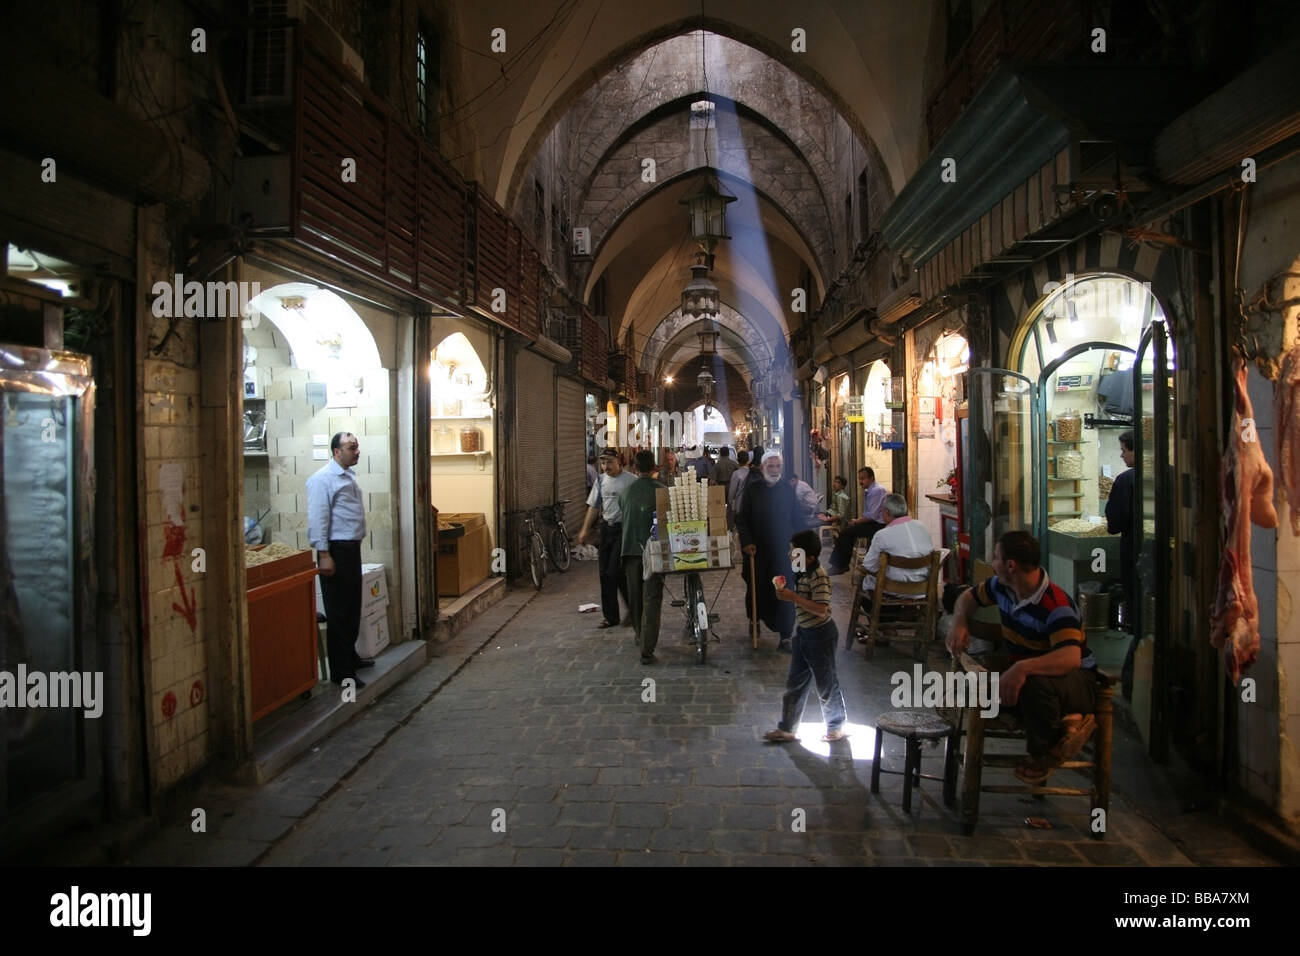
861,740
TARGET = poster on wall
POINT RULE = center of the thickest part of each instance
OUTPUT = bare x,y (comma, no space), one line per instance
925,417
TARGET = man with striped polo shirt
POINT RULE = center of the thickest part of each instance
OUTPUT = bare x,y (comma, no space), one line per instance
1052,681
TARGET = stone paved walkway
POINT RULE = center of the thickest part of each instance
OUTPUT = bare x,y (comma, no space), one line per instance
534,720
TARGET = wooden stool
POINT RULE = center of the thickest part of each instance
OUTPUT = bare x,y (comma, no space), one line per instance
978,728
915,726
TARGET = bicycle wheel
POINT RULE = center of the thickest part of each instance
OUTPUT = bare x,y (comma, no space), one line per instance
560,556
536,560
698,611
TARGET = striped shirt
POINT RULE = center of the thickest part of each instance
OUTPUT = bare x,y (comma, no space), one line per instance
815,585
1043,622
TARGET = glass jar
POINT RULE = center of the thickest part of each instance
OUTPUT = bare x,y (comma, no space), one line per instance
1069,464
471,439
444,440
1069,426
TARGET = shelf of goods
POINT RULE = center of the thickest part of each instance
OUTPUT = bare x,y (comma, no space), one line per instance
282,632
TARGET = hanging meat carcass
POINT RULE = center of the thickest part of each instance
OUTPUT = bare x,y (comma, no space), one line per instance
1286,419
1246,485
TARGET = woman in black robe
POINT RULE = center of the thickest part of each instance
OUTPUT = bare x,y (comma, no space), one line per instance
765,523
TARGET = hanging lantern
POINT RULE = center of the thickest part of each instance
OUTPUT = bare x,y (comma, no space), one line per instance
709,341
707,207
700,297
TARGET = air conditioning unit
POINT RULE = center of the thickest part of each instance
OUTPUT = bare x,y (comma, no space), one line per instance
268,71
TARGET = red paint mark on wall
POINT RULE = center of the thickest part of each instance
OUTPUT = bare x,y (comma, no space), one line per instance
169,705
196,693
173,541
188,606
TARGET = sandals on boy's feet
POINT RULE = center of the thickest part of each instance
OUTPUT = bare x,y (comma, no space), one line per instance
604,624
833,736
779,736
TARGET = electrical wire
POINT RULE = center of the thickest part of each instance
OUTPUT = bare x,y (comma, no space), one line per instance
565,10
549,93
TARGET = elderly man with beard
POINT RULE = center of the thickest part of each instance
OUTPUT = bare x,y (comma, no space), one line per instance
766,521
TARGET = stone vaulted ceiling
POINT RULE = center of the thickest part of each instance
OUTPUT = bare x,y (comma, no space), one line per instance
600,93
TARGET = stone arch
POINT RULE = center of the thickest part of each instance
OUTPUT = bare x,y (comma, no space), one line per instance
836,63
762,159
677,328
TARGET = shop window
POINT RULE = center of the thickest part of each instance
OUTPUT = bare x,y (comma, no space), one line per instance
427,86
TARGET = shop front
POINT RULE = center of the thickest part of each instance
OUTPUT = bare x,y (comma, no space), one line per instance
462,452
314,364
1092,362
940,357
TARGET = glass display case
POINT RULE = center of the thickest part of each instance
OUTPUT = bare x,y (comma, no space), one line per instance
47,754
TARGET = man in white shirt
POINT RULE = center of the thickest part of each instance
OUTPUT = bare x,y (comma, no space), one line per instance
901,537
336,526
603,504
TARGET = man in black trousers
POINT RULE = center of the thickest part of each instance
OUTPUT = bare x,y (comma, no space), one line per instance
603,506
336,526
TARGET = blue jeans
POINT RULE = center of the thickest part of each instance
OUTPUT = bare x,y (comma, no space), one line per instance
813,658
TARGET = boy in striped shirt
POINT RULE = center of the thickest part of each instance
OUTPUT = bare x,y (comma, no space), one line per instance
815,637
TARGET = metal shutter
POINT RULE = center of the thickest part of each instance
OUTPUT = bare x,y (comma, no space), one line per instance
571,447
535,429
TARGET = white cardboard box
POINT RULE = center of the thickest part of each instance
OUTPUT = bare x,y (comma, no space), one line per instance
374,588
374,632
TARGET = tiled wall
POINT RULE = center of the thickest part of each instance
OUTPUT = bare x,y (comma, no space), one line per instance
279,481
177,656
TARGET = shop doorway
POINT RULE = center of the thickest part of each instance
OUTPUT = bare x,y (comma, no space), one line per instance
939,389
312,369
1094,363
462,442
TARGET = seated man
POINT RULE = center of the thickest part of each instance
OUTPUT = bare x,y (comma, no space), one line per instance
1052,682
902,537
871,521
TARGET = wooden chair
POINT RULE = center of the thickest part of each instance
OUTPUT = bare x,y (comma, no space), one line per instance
978,729
857,576
912,598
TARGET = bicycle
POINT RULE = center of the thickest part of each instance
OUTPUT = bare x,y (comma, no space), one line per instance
561,550
698,619
532,551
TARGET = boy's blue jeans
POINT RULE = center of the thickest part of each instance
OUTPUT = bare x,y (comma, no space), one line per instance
813,658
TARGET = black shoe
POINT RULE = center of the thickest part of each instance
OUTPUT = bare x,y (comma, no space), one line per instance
365,662
648,658
834,569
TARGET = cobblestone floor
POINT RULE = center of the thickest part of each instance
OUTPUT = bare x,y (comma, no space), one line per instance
534,720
